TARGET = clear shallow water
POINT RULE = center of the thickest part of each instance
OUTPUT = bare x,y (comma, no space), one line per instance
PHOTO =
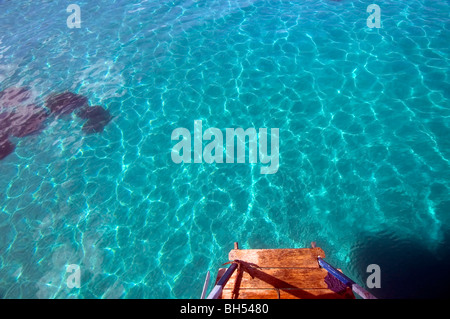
364,151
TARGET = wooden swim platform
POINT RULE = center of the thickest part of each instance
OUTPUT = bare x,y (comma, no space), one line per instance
280,274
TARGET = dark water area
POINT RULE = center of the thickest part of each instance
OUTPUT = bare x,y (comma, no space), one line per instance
409,269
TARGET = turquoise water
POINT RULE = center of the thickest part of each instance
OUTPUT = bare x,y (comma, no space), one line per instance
364,120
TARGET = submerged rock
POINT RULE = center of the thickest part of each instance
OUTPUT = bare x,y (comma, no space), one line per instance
6,147
5,123
15,96
23,121
28,120
65,103
97,118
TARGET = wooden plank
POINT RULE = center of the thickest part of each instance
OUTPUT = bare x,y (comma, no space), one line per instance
280,278
251,294
313,294
266,258
285,294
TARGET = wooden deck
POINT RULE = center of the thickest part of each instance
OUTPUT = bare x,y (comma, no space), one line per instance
280,274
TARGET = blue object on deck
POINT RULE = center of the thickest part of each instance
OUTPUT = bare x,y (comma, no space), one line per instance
345,280
217,290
